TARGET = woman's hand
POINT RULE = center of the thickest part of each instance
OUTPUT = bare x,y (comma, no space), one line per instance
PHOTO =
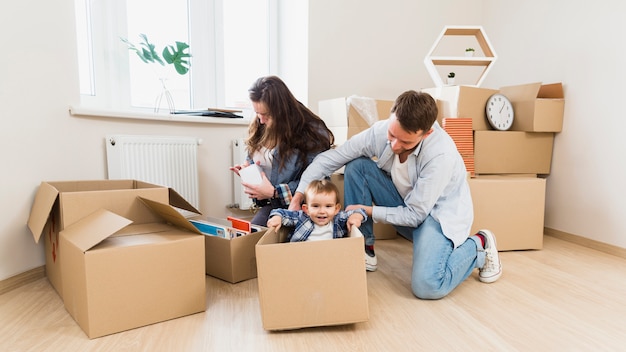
236,168
264,190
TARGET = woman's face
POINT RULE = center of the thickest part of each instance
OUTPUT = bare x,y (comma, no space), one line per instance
262,113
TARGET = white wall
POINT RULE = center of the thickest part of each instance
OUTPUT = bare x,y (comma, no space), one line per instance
370,48
376,49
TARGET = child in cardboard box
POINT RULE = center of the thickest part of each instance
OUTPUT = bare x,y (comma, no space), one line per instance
321,216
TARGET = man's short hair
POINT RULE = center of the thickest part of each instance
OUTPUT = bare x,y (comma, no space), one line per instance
415,111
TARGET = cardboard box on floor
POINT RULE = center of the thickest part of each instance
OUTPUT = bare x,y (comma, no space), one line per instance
381,231
311,283
232,260
512,207
348,116
512,152
463,101
537,107
112,255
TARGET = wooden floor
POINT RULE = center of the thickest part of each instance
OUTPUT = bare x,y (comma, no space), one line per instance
562,298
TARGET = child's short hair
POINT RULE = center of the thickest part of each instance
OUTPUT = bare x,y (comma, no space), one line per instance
322,186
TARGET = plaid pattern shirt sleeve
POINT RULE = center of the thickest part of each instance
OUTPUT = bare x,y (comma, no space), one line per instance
283,194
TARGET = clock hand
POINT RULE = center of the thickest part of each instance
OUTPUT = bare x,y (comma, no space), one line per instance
502,107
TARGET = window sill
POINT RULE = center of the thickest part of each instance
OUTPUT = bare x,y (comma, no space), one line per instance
86,112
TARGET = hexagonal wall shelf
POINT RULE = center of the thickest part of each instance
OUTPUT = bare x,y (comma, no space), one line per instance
448,55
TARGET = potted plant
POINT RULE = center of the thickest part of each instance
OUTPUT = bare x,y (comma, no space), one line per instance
170,55
469,52
451,76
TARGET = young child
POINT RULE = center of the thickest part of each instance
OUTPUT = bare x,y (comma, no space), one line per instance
321,216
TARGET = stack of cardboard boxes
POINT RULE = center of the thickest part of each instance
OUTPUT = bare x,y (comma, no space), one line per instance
508,189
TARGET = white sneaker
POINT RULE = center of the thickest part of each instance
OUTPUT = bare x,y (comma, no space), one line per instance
492,270
371,262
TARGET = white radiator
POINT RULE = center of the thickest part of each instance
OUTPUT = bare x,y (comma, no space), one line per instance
164,160
242,200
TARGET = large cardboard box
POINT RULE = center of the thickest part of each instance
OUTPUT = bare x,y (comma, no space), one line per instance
463,101
346,117
62,203
123,256
381,231
512,208
512,152
311,283
537,107
231,259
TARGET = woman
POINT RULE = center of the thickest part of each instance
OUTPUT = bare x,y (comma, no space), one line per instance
283,139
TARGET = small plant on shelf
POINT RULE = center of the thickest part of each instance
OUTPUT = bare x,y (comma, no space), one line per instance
469,52
469,49
451,76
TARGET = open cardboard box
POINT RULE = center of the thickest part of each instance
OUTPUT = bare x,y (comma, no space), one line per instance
463,101
231,259
121,256
537,107
311,283
348,116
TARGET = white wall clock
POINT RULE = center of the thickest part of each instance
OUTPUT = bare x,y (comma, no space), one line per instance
499,112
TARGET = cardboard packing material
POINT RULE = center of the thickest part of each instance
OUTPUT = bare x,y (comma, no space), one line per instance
512,208
381,231
118,261
232,260
512,152
537,107
311,283
348,116
463,101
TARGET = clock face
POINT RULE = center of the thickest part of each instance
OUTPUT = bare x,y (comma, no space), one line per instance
499,112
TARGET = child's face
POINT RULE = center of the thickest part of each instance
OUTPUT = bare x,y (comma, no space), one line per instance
321,207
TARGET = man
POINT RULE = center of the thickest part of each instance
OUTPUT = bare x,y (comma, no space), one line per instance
406,171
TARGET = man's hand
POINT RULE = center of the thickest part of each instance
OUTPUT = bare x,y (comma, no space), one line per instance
296,201
368,209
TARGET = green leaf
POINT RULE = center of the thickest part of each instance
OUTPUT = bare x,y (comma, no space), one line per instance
177,57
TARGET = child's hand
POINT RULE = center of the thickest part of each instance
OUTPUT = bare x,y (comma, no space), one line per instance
274,222
354,220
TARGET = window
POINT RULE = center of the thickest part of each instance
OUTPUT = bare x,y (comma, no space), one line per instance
232,43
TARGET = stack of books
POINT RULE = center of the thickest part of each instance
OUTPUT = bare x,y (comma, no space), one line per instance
460,129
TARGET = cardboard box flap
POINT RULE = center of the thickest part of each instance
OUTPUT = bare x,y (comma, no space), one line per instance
170,214
525,92
176,200
551,91
94,228
42,206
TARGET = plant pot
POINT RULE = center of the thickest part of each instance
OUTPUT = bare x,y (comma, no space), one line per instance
450,81
469,53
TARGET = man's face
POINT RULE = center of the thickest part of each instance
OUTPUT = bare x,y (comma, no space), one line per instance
401,140
321,207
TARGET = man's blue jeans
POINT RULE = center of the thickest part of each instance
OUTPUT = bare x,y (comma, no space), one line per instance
438,267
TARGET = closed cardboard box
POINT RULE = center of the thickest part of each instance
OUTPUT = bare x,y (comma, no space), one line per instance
537,107
512,152
463,101
350,115
512,208
311,283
